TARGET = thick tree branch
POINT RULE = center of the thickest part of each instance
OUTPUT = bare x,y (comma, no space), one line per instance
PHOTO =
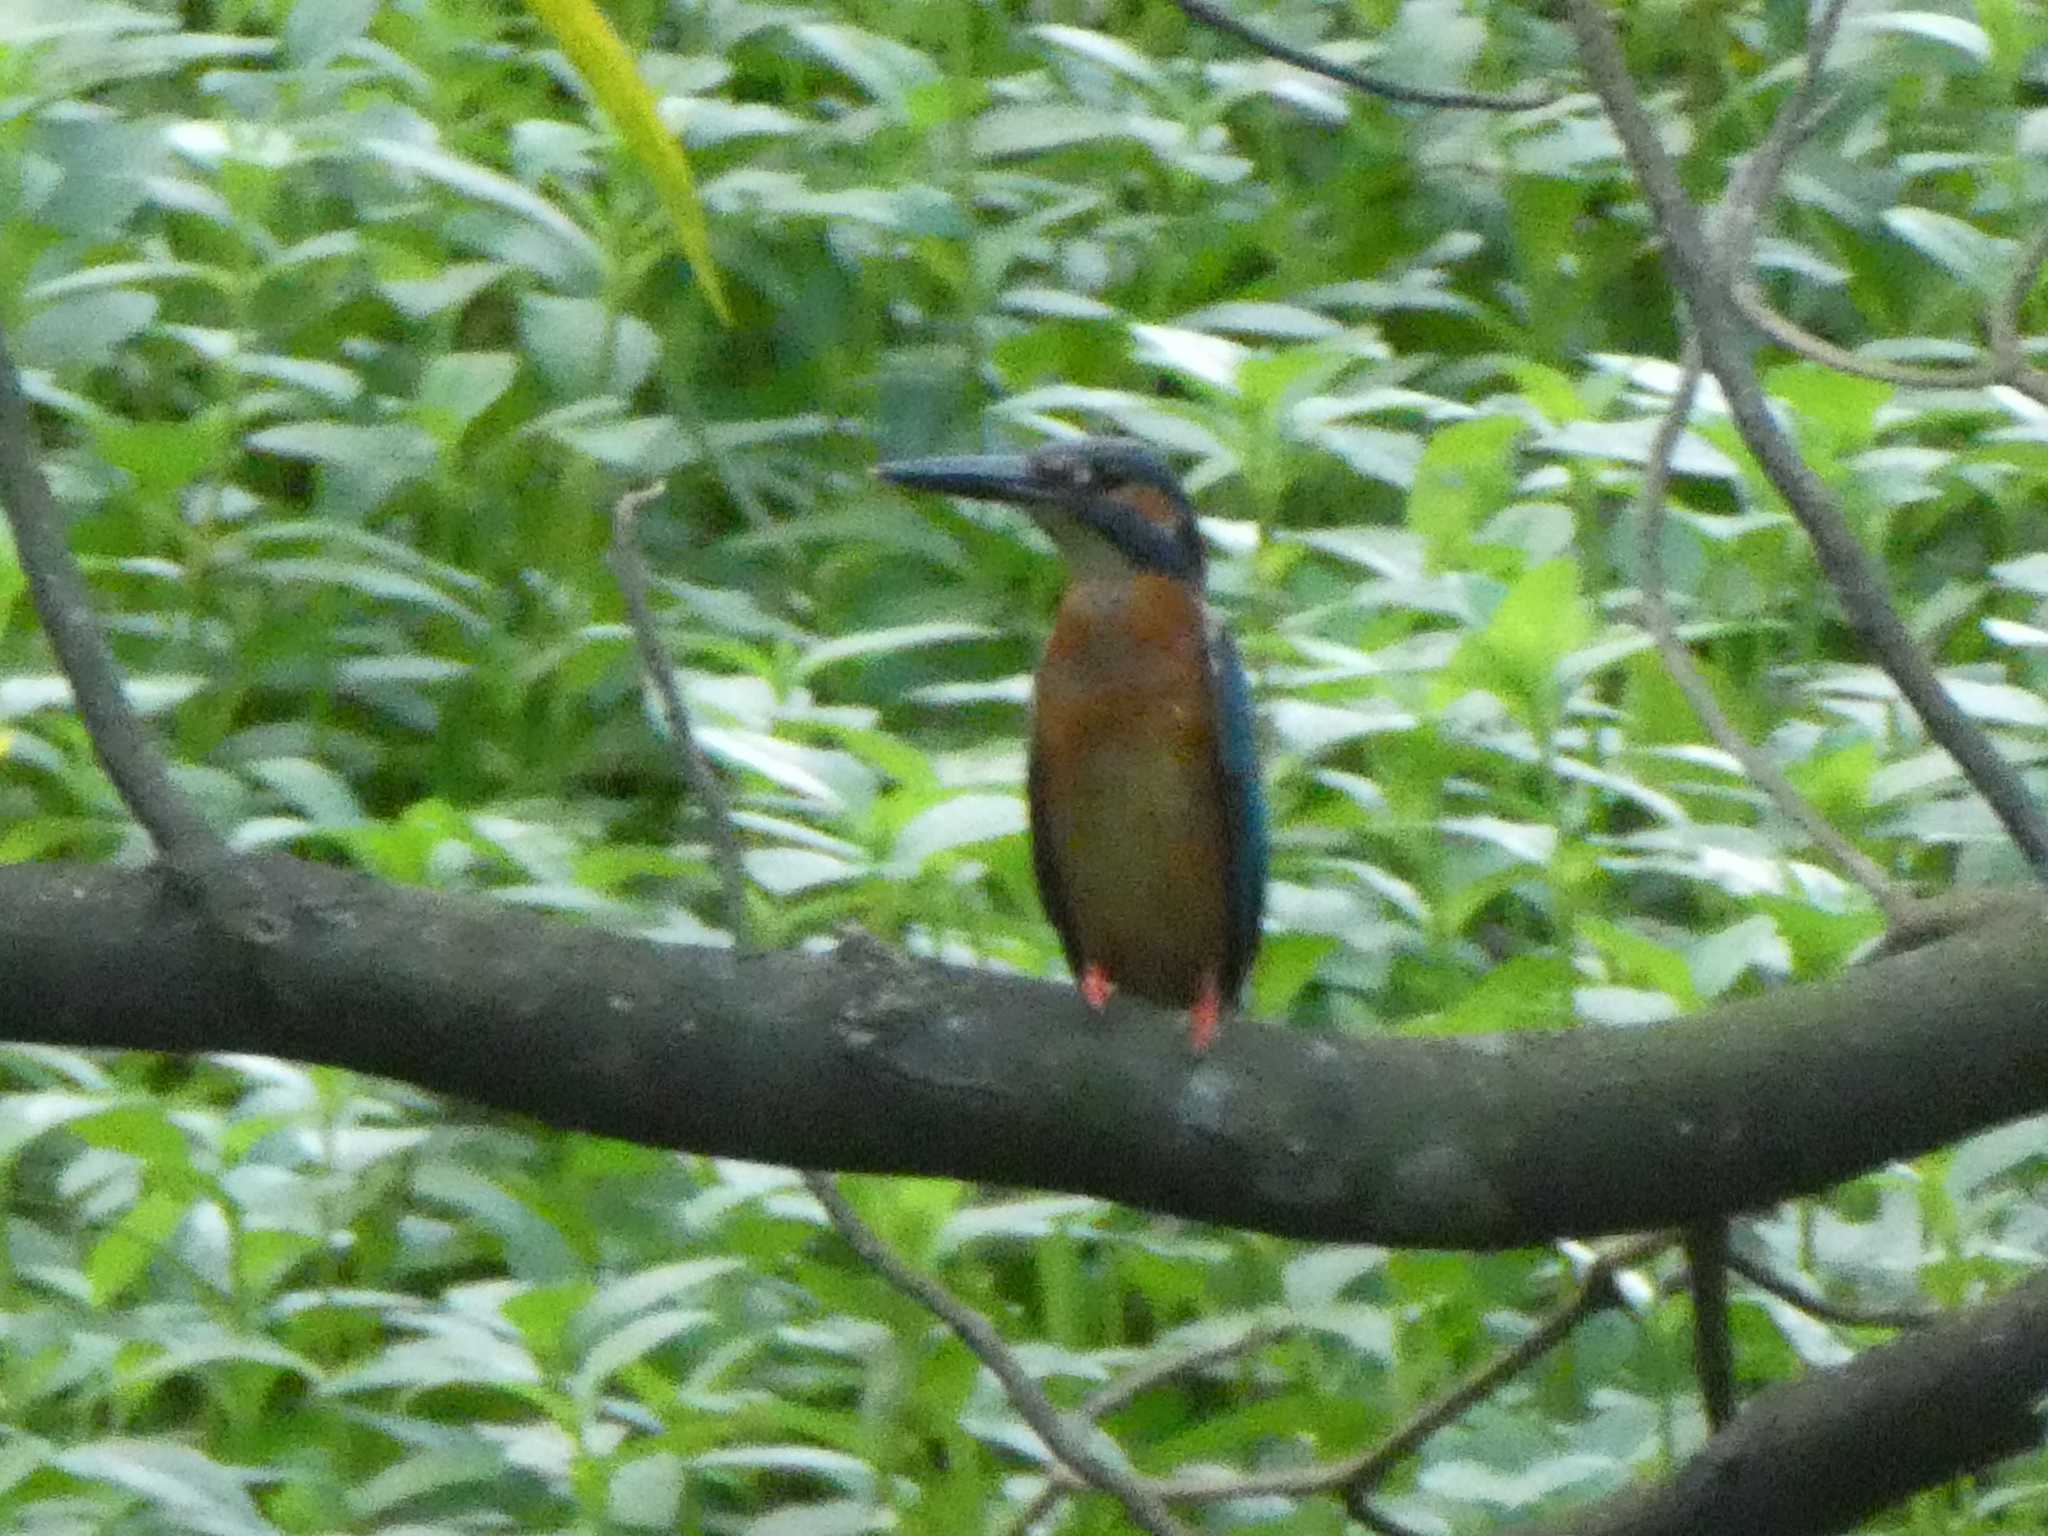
1822,1453
865,1060
1857,579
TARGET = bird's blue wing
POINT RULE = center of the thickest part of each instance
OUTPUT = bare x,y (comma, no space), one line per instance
1244,809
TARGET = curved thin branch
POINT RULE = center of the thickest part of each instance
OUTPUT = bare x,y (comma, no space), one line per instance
1755,182
1857,579
1066,1438
1596,1293
1221,20
1794,337
1063,1439
1142,1378
1699,693
1135,1382
1360,1474
1707,1242
2003,323
223,884
1841,1313
629,569
1755,185
2007,366
1752,190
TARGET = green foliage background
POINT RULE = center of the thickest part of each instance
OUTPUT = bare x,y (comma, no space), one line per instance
349,322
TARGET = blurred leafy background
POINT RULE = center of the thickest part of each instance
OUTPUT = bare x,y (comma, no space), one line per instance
349,321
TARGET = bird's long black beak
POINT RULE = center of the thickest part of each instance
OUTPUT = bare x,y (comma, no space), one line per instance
984,476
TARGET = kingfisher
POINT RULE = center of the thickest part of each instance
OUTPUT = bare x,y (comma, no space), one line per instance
1148,828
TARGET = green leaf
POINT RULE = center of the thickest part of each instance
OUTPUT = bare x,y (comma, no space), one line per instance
884,68
366,465
582,258
632,1342
1954,33
1517,654
962,821
316,30
13,579
143,1131
1525,992
369,580
84,332
1286,966
449,288
594,50
1963,250
458,387
188,1490
836,1517
1838,409
888,642
584,348
1633,958
1719,960
117,1261
1465,476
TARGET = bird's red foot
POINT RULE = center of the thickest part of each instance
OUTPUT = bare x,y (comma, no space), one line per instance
1096,987
1203,1017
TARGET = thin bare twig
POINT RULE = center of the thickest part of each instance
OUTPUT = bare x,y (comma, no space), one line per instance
1222,20
1359,1474
1066,1441
2003,323
1138,1380
1596,1293
1699,693
2007,364
629,569
1755,182
1794,337
1713,1340
1065,1436
1847,1316
226,887
1751,191
1856,577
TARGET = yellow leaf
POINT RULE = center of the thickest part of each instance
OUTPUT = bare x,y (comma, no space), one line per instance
595,53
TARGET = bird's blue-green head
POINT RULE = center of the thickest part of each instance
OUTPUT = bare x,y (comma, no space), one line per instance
1111,504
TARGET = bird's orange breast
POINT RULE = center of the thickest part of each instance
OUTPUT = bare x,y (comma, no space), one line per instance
1125,736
